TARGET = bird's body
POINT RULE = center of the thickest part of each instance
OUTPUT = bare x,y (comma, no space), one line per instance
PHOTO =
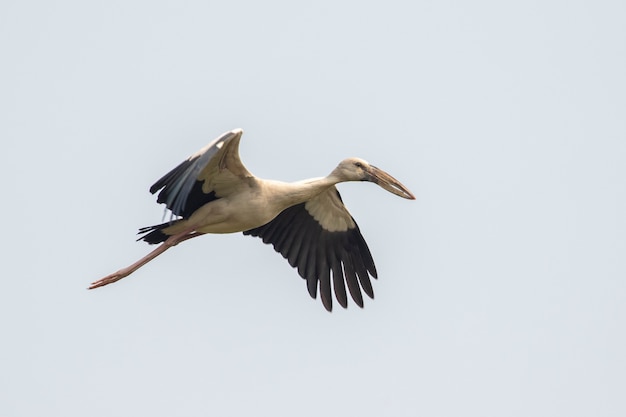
257,203
306,221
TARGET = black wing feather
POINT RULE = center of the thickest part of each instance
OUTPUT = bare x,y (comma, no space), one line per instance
352,281
316,252
180,190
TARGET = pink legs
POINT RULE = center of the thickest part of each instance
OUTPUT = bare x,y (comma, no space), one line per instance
124,272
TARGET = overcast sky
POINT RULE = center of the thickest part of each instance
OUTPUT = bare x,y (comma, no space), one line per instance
501,288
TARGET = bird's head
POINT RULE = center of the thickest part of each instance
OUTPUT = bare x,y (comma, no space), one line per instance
356,169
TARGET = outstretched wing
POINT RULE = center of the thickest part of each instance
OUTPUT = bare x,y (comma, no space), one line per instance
212,172
318,237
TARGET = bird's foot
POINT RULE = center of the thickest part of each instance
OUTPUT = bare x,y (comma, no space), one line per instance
109,279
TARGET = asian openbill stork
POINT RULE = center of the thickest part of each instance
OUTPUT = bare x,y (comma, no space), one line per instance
306,221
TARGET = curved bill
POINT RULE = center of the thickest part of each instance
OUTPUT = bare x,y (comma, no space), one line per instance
389,183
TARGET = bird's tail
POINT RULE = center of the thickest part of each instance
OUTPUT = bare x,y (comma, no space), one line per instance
155,234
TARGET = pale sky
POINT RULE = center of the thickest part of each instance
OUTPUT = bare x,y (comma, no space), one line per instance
501,288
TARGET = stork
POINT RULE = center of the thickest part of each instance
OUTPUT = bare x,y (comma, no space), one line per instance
305,221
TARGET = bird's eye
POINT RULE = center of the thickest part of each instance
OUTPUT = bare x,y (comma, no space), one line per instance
358,165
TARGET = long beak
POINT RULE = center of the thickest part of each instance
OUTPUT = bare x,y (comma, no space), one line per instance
389,183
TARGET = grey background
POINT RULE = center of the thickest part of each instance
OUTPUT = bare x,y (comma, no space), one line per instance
501,289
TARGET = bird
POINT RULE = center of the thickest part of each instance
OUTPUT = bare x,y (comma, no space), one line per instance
305,221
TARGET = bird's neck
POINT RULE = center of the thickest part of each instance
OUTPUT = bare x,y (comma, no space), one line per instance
288,194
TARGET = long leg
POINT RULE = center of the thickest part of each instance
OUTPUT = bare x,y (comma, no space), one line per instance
124,272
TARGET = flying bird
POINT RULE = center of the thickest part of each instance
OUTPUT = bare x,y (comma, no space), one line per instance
305,221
